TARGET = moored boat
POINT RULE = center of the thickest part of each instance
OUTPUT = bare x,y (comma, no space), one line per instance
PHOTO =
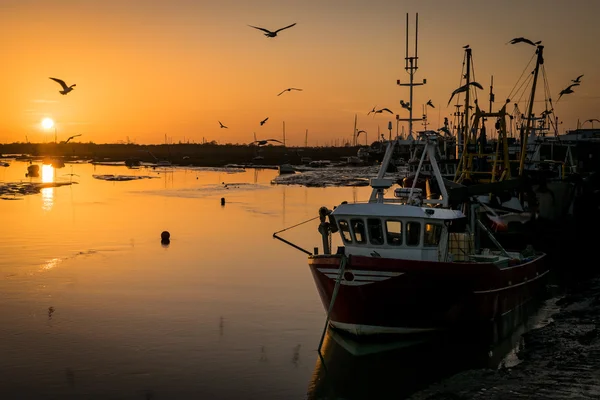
410,265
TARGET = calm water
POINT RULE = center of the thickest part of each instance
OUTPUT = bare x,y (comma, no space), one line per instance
93,306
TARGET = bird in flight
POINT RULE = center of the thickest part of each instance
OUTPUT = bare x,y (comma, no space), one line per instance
221,125
372,111
523,40
359,132
66,89
592,120
264,142
464,88
405,105
263,121
567,90
578,79
288,90
269,33
382,110
72,137
430,104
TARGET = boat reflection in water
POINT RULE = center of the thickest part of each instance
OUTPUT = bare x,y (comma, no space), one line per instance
377,369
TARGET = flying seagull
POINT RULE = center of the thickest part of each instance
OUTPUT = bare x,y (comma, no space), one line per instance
359,132
382,110
269,33
263,142
72,137
221,125
430,104
523,40
405,105
568,90
372,111
591,120
263,121
66,89
578,79
464,88
287,90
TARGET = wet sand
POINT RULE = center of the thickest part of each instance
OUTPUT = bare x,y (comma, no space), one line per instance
558,361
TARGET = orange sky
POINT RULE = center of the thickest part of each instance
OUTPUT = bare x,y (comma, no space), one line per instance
146,69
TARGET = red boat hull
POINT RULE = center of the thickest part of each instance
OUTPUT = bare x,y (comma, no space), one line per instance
379,295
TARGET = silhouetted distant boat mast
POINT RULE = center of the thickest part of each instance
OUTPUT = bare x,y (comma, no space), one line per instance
411,65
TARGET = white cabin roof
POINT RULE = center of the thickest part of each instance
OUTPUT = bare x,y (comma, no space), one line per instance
391,210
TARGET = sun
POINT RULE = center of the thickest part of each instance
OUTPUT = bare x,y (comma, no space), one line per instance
47,123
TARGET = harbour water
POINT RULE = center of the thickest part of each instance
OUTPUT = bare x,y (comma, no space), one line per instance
94,306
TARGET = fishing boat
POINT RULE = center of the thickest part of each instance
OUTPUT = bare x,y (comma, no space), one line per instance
413,265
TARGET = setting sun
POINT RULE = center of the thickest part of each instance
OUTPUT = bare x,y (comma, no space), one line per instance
47,123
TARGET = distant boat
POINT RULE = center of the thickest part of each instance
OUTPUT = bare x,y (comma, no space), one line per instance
286,169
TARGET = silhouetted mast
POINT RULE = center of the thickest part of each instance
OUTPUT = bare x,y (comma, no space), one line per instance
411,64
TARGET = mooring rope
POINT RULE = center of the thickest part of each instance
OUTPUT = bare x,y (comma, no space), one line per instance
293,226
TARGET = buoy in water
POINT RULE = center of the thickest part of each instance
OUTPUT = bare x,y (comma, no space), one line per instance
222,201
165,237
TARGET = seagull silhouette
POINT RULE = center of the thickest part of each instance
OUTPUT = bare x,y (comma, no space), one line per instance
359,132
287,90
263,121
264,142
66,89
430,104
372,111
567,90
591,120
523,40
269,33
221,125
578,79
464,88
405,105
72,137
382,110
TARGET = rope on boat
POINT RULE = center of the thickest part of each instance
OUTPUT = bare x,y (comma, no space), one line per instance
338,281
290,243
293,226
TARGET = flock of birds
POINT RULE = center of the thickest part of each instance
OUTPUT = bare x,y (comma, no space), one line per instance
405,105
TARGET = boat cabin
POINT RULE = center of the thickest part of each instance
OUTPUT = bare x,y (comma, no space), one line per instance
395,230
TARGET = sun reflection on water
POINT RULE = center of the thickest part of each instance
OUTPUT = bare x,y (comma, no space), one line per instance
47,193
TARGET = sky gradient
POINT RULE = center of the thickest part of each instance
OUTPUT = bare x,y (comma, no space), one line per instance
145,70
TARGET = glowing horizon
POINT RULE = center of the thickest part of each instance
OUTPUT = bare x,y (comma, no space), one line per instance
145,72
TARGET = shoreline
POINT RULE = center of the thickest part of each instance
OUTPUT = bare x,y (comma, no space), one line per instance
560,360
201,155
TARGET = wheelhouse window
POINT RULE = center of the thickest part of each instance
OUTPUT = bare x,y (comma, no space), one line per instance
345,231
375,230
358,228
393,232
413,233
433,233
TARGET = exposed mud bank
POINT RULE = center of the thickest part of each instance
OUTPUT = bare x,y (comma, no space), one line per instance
558,361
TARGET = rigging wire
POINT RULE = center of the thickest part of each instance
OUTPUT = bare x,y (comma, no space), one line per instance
522,73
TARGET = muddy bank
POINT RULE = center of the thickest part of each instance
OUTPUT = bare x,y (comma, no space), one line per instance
558,361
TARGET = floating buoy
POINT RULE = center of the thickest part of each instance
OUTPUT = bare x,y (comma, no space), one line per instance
222,201
165,237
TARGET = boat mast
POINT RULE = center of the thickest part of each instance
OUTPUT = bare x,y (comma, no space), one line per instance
540,61
411,64
354,132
